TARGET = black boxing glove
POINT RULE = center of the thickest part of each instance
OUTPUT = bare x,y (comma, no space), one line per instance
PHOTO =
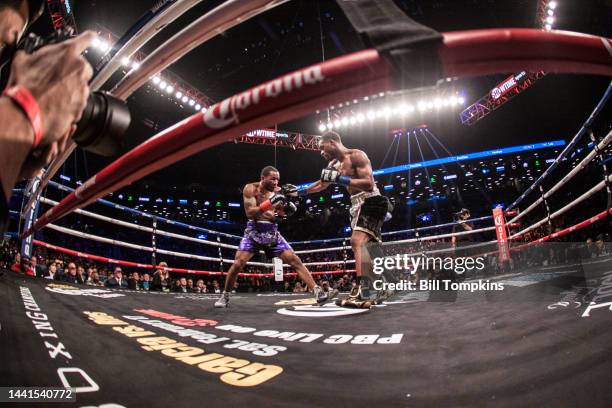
274,201
330,175
291,190
290,209
278,199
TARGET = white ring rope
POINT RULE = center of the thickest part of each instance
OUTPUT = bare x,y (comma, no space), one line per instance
581,166
218,244
110,241
599,186
442,236
142,228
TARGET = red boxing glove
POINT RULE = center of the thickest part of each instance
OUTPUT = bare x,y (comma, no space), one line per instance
265,206
22,97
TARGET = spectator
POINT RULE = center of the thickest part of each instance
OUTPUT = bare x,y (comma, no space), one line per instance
51,271
116,281
145,284
161,278
94,279
190,285
60,270
181,286
200,287
16,266
25,267
236,287
298,288
134,282
287,287
81,274
215,287
72,275
40,270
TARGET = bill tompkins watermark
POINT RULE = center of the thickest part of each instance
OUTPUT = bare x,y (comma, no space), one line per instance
413,264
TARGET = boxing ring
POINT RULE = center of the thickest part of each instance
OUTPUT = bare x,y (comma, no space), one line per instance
543,340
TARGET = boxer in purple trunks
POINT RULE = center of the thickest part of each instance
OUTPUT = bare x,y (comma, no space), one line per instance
263,202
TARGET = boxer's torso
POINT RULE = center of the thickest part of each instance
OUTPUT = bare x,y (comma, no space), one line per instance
260,197
347,168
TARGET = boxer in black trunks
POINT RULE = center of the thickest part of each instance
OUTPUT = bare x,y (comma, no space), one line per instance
352,169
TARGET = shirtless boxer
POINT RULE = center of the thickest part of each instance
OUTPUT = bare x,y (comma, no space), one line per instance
352,169
263,202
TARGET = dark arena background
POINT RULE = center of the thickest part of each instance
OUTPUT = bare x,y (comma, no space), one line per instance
488,130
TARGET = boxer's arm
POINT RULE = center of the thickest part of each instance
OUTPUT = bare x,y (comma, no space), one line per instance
363,179
317,186
250,203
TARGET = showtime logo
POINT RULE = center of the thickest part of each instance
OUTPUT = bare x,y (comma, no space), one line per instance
505,86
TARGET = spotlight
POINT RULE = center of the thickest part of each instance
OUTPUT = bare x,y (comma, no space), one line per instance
163,85
337,123
371,115
461,100
345,121
135,65
198,106
552,5
437,103
170,89
352,120
322,127
179,95
125,61
453,100
422,105
156,80
191,102
95,43
548,27
550,12
550,20
204,109
184,99
330,126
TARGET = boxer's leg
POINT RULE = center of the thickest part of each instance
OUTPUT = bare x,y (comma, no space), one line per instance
289,257
240,260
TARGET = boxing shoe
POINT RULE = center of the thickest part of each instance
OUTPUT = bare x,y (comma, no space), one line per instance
223,301
356,299
320,295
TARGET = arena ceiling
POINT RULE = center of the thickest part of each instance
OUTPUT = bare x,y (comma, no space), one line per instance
302,32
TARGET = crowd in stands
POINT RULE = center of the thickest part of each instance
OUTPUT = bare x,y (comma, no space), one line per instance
58,267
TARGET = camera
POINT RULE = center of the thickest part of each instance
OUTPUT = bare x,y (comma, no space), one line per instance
105,118
461,215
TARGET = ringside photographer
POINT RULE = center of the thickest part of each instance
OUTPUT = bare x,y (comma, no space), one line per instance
45,96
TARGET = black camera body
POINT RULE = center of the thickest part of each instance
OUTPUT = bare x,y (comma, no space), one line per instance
105,118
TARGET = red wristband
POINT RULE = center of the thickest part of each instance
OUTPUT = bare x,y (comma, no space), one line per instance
266,205
21,96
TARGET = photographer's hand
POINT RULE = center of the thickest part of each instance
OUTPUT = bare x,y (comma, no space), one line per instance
57,77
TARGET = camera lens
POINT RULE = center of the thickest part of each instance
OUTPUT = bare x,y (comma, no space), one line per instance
102,125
